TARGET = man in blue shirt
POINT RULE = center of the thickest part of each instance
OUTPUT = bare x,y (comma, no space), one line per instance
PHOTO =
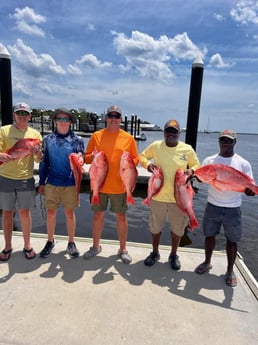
57,181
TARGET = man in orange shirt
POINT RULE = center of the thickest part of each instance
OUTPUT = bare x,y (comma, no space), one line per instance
113,141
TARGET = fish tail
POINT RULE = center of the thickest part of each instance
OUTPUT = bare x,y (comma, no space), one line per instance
146,202
95,200
130,200
193,222
256,190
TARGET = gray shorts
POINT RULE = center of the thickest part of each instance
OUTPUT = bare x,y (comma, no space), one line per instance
229,217
117,203
22,192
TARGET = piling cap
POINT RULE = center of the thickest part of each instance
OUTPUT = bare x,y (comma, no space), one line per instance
22,106
228,133
173,124
64,111
114,109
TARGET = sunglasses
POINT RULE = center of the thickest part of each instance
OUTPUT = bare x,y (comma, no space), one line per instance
62,119
226,140
171,130
22,113
114,116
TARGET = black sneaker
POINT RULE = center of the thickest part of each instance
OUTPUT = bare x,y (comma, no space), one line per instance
72,250
46,251
174,262
151,259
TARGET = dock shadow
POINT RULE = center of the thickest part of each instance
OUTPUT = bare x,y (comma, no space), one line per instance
19,264
185,284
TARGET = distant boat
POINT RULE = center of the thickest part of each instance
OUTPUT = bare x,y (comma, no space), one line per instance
141,136
149,127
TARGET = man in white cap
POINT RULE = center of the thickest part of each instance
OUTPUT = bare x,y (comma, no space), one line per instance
223,208
17,184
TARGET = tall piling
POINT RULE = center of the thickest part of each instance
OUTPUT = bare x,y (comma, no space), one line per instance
6,86
194,102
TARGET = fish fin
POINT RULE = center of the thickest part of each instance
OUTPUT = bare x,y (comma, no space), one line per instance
193,223
146,202
130,200
95,200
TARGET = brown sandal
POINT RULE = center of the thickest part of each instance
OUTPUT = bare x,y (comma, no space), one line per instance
29,253
5,255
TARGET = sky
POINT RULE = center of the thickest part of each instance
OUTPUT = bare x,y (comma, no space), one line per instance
137,54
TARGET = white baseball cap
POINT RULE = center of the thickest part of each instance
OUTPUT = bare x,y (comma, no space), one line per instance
22,106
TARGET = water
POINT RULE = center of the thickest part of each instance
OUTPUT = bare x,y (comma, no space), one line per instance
207,144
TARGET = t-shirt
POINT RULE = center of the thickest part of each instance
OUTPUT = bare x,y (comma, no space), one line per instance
182,156
227,198
18,169
113,145
55,167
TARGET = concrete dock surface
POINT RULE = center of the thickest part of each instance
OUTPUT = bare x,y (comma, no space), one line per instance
59,300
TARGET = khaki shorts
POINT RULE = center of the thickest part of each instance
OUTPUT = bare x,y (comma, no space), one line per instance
117,203
160,212
66,196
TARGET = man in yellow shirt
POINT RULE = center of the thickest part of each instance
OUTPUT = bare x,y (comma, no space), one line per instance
113,141
17,184
170,154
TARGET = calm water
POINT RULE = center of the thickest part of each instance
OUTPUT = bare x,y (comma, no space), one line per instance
207,144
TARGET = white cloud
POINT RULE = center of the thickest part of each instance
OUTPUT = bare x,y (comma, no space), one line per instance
32,63
27,21
217,61
89,61
245,11
151,57
218,16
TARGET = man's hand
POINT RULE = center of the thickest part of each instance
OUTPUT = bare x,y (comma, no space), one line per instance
249,192
151,167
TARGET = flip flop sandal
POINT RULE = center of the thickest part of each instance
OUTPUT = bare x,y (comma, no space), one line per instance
27,253
230,279
7,254
202,268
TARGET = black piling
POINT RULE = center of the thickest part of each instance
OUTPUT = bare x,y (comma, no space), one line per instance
194,102
6,87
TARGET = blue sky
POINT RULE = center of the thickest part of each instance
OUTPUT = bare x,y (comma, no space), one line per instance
137,54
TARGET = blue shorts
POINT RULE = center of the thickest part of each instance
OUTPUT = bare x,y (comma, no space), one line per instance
229,217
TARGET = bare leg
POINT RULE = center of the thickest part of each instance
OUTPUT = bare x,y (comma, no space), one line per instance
155,242
98,223
231,248
51,223
122,229
70,223
7,224
209,247
25,219
175,241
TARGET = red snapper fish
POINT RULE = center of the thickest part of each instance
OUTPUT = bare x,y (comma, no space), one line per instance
225,178
23,148
128,173
76,163
98,172
184,194
154,185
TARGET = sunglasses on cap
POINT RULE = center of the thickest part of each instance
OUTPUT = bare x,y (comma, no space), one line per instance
62,119
114,116
226,140
22,113
171,130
